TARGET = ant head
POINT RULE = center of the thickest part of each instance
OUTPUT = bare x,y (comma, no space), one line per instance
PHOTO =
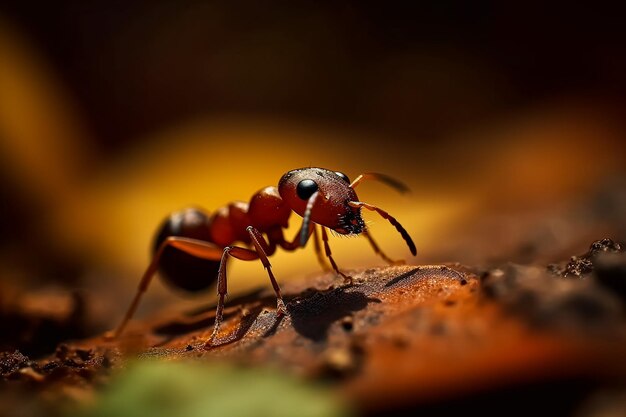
322,196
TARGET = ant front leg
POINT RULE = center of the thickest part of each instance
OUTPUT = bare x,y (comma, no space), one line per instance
347,278
297,241
318,250
199,248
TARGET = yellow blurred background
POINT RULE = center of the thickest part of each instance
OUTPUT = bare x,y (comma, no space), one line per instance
112,116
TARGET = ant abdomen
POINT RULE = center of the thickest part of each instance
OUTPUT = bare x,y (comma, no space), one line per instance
177,268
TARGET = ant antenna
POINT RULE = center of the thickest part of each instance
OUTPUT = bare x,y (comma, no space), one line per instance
391,219
386,179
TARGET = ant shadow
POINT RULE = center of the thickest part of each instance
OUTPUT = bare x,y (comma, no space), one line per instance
402,277
175,329
312,317
311,313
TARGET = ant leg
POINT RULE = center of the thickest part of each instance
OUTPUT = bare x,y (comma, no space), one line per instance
262,247
318,250
296,242
194,247
378,251
222,288
391,219
347,279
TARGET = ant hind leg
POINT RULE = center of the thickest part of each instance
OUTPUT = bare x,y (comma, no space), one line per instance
195,247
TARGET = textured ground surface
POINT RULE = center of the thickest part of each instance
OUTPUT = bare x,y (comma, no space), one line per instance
400,338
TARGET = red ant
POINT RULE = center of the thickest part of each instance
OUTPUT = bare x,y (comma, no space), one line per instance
204,244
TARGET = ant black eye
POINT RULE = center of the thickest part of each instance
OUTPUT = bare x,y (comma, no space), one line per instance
306,188
343,176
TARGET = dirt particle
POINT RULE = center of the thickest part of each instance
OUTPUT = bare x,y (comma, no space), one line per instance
338,362
61,351
400,340
439,329
12,362
30,373
347,323
84,354
584,264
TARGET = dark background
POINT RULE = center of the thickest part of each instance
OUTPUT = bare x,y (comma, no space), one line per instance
424,70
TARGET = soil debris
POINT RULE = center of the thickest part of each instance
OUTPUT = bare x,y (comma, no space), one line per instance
402,335
584,264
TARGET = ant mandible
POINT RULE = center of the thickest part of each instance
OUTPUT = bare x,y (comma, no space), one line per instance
190,237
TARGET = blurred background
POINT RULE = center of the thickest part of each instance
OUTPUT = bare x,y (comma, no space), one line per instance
113,114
